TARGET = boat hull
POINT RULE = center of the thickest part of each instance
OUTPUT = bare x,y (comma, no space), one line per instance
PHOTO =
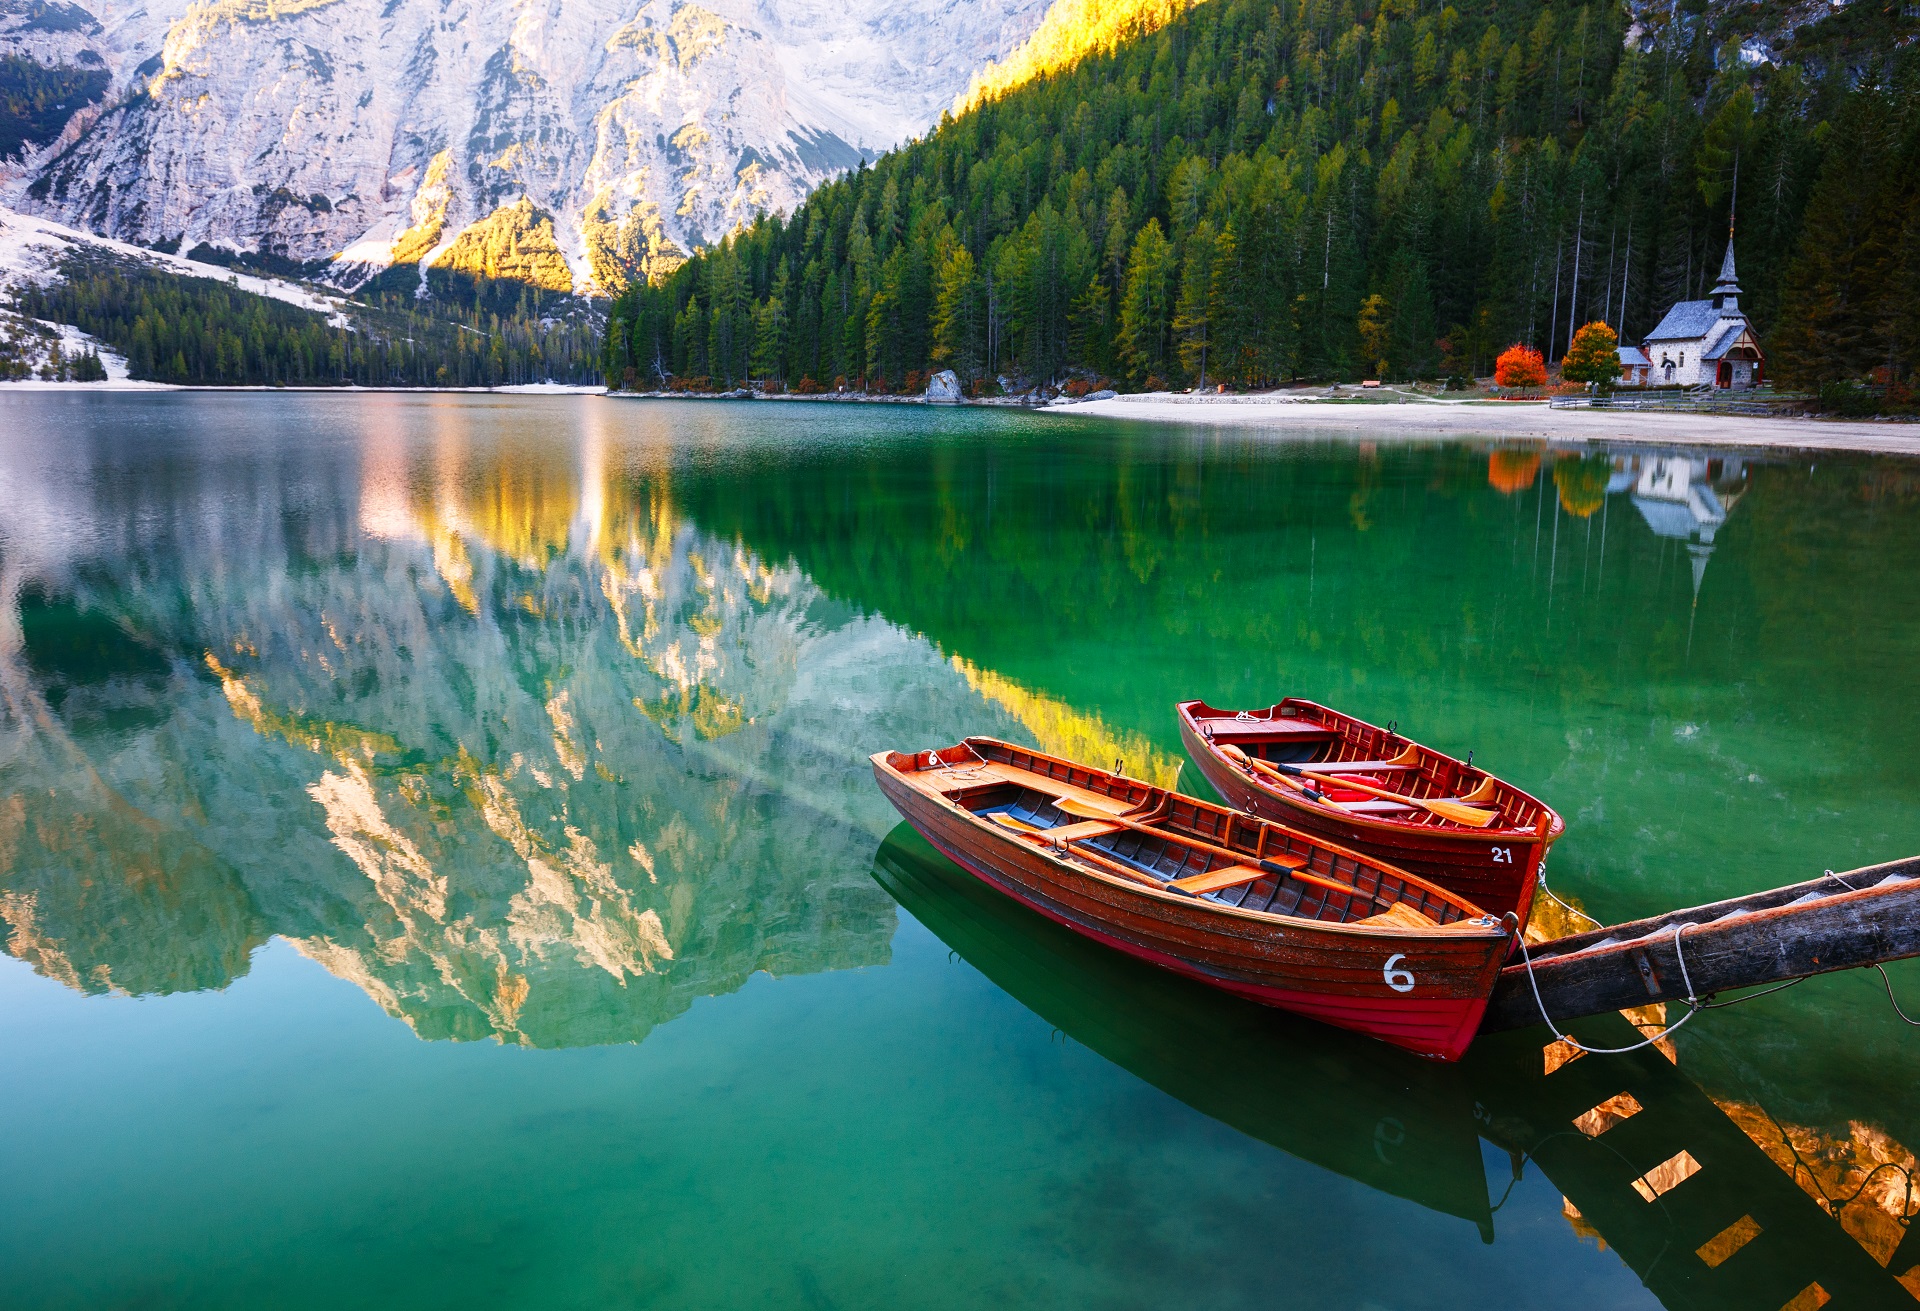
1497,870
1340,975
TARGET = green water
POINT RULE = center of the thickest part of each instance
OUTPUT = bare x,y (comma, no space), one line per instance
440,866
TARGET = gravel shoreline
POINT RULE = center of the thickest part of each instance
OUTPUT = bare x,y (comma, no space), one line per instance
1511,419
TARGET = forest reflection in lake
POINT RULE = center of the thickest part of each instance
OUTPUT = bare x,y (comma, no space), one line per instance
542,721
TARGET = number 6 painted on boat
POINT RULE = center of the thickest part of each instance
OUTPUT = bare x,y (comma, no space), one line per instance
1398,980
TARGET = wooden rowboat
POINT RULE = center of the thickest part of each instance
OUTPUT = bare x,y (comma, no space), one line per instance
1246,905
1496,866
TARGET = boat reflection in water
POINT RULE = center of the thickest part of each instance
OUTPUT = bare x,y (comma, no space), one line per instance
1357,1107
1648,1163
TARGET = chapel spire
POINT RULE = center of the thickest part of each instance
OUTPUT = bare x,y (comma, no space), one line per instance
1726,292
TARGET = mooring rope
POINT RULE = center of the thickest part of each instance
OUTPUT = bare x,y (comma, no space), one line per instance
1885,978
1555,897
1778,987
1694,1005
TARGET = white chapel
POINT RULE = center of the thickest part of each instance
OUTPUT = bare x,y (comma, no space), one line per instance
1700,343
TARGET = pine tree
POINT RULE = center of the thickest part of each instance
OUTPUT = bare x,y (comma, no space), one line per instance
957,315
1192,315
1144,306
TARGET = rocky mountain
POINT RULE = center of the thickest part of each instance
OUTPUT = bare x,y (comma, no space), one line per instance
575,142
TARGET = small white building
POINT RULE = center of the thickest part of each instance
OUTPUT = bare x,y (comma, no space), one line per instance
1634,366
1706,343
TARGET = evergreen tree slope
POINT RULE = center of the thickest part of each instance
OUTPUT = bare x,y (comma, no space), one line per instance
1273,189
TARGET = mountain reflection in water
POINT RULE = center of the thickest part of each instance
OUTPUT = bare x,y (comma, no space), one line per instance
518,749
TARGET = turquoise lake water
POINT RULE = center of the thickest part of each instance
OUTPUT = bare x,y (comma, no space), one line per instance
440,867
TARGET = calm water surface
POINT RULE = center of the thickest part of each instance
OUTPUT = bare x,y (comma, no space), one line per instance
440,866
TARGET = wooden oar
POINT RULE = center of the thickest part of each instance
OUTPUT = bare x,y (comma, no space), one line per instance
1291,868
1457,811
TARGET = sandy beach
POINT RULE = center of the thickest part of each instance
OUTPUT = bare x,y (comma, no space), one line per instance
1513,419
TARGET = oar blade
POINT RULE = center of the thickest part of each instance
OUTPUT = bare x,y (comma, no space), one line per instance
1461,813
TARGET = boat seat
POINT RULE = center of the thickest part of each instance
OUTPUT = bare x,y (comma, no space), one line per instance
1215,879
1091,828
1372,807
1219,729
1054,787
1398,916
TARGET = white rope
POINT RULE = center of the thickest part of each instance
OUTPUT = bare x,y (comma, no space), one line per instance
1888,980
1554,896
1885,978
1693,1003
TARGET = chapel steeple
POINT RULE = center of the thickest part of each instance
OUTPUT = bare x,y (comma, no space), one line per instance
1726,292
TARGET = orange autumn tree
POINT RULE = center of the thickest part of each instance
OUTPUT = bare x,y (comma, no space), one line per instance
1520,366
1509,472
1594,357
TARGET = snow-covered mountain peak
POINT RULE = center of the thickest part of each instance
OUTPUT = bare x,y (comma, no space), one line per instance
373,131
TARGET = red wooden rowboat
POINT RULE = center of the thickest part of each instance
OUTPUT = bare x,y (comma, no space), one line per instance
1243,904
1495,867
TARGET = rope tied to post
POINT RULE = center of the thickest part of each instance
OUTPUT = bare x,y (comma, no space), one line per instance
1694,1004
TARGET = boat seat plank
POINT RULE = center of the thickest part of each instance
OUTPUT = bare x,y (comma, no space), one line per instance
1016,825
1398,916
1215,879
1232,729
1054,787
1091,828
1371,807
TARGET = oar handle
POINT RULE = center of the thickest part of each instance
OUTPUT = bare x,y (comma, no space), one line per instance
1446,808
1331,885
1260,766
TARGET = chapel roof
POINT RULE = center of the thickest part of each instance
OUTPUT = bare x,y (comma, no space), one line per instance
1687,320
1723,339
1632,355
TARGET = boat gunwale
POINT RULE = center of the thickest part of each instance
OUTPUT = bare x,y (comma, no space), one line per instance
1461,930
1528,836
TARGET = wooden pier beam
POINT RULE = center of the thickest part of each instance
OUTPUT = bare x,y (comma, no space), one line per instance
1836,922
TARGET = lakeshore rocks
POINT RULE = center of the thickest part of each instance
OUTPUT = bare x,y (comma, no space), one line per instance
944,388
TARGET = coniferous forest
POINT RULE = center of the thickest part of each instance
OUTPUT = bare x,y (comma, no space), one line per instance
199,331
1272,190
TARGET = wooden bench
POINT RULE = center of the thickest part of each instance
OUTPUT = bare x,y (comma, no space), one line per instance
1054,787
1231,729
1398,916
1233,875
1091,828
1215,879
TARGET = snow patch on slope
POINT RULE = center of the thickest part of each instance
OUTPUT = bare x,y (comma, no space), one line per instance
32,248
